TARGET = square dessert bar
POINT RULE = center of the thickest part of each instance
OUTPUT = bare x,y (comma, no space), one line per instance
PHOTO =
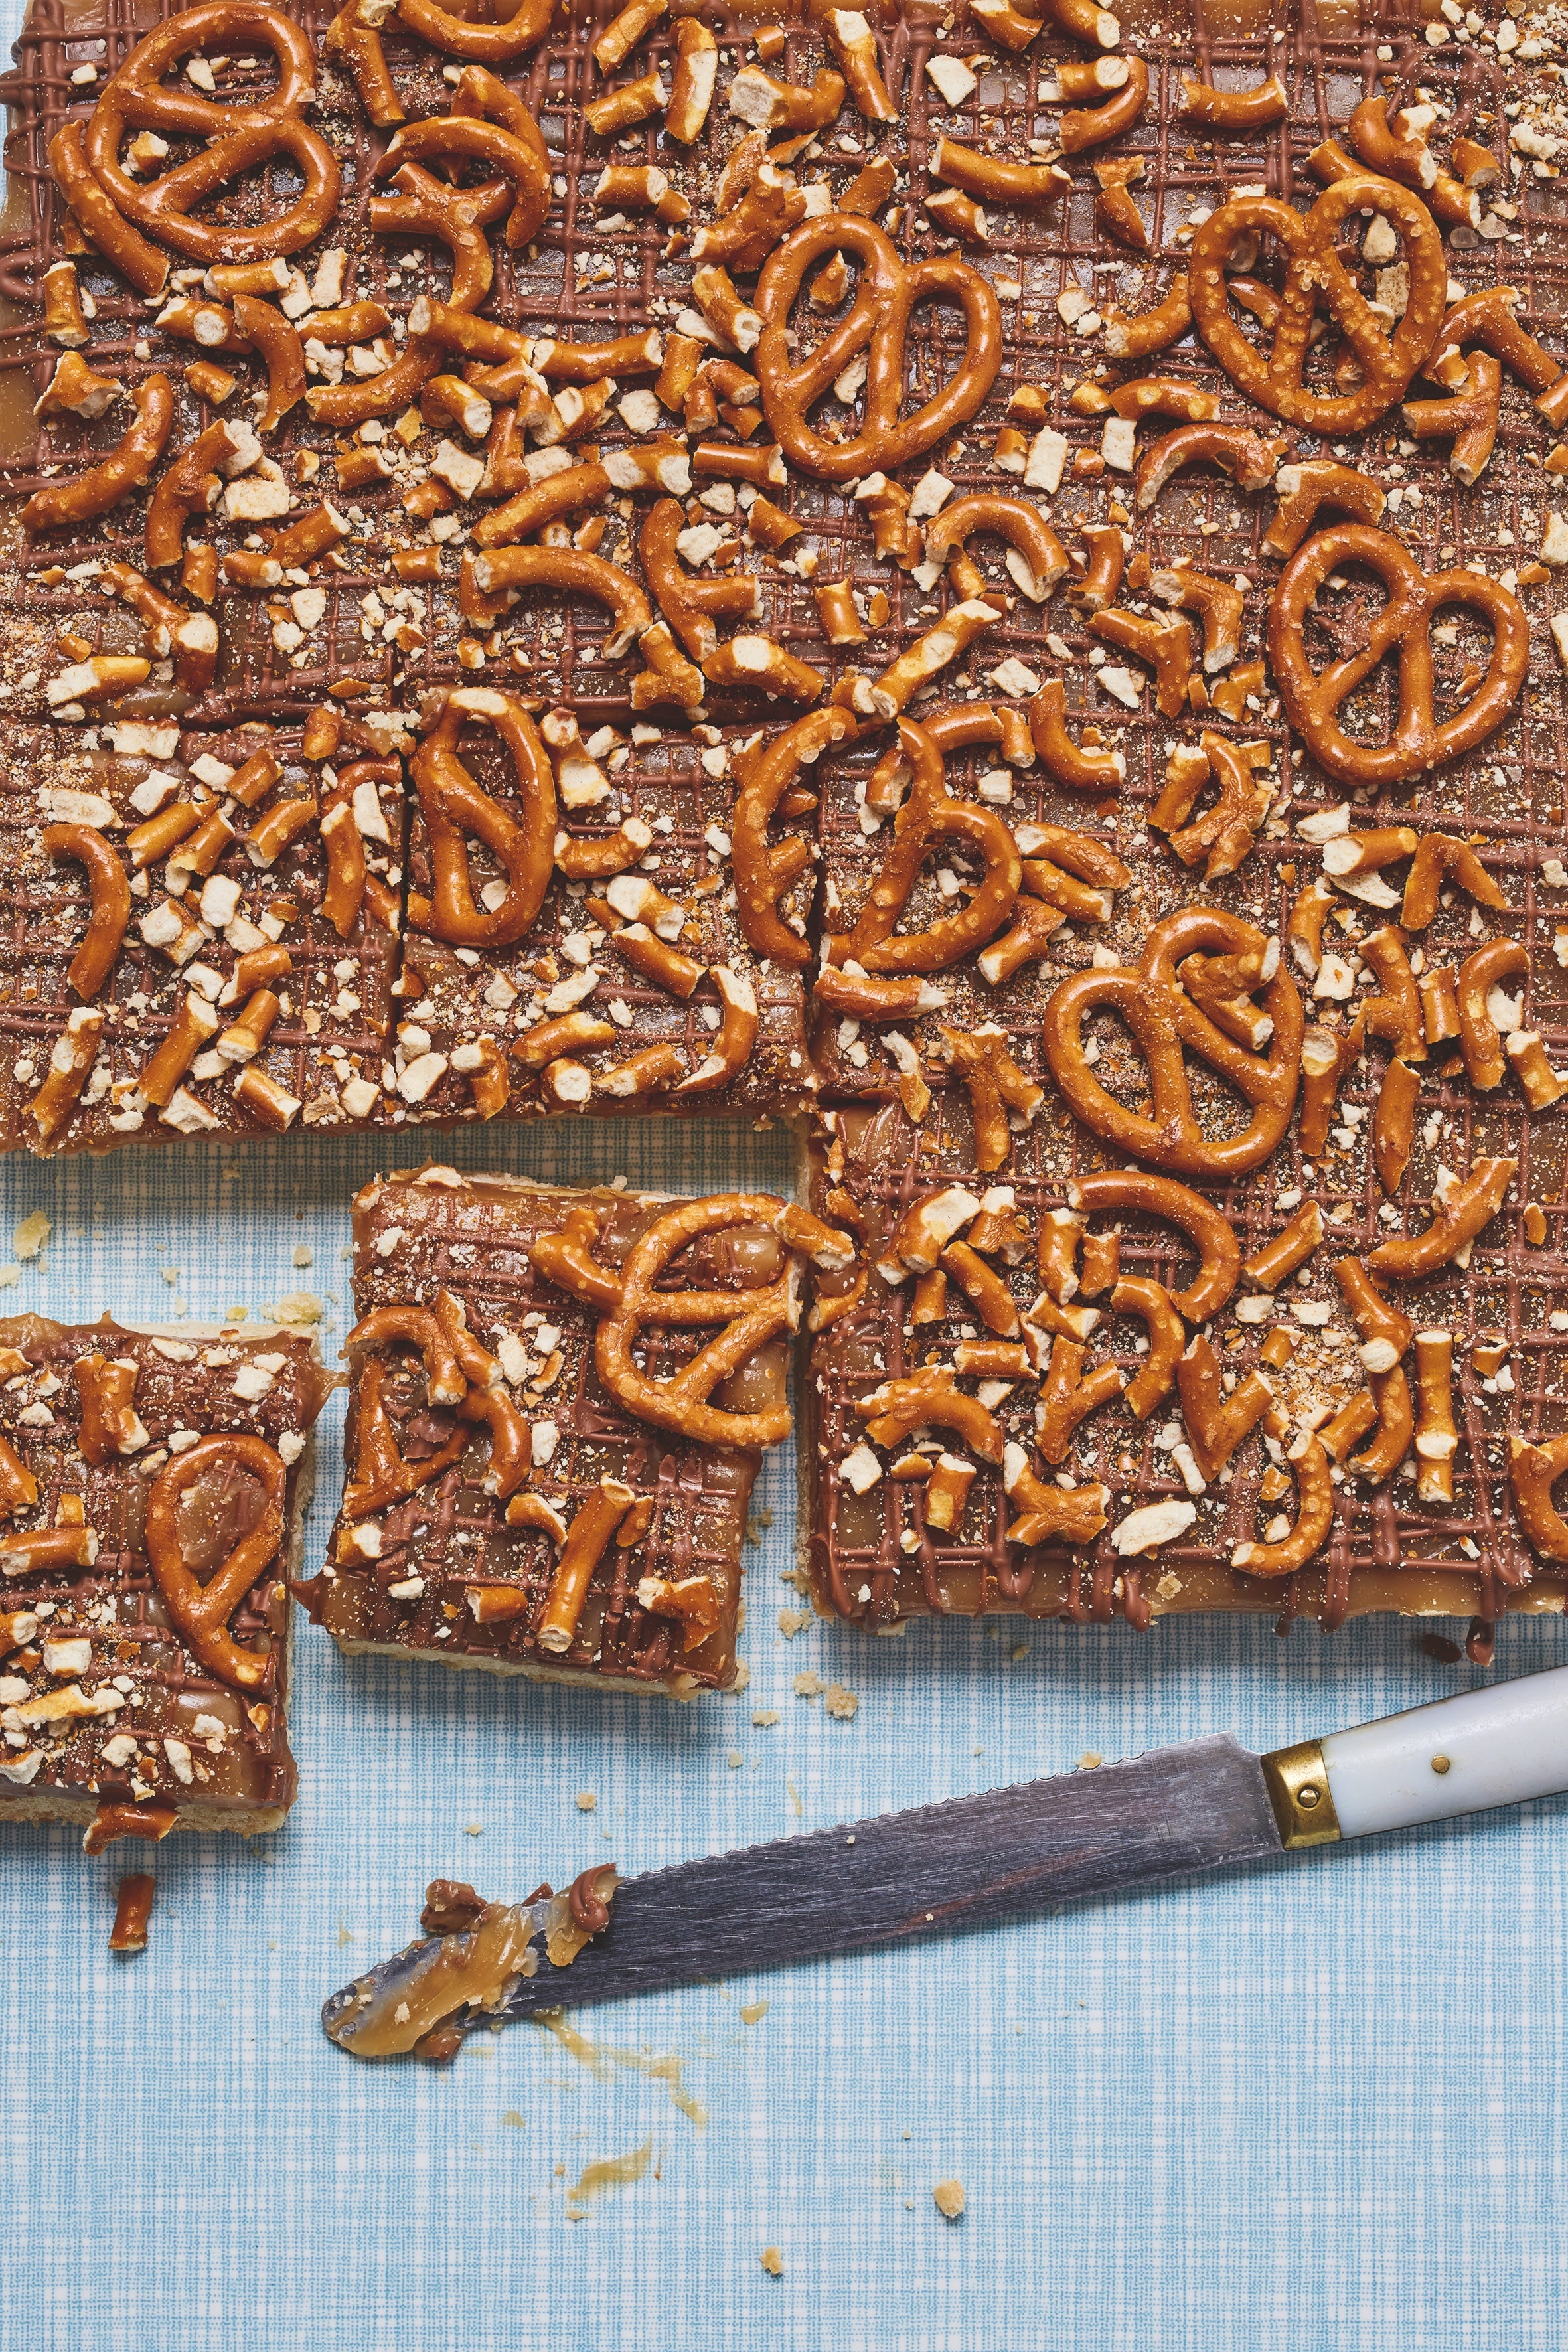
198,931
559,1405
153,1485
1074,1388
586,952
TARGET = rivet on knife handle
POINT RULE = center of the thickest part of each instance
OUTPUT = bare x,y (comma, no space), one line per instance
1297,1782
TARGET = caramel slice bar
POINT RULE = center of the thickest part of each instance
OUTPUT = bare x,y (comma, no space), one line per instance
560,1401
153,1485
199,935
587,953
1087,1392
947,928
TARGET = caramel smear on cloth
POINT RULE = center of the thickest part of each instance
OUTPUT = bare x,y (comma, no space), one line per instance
609,2172
602,2061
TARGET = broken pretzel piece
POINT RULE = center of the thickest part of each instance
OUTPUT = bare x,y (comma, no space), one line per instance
930,815
1216,1424
1461,1210
1048,1515
1304,487
996,1086
929,1398
1285,1548
1225,833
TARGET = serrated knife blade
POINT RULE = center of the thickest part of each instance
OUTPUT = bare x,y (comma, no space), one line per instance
1171,1813
1176,1812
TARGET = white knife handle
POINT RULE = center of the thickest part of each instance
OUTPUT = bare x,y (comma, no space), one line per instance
1496,1745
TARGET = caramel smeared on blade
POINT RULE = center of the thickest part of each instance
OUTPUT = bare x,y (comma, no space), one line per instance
426,1997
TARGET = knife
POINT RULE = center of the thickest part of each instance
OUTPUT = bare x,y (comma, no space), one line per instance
1175,1813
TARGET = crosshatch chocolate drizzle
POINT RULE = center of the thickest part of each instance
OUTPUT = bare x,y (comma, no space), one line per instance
583,279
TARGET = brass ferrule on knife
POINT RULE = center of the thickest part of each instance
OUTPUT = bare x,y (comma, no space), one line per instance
1297,1782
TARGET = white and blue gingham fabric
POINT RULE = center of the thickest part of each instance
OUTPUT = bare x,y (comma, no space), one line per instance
1318,2106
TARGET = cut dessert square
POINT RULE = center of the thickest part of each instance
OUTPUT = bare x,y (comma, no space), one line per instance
153,1485
551,1447
1085,624
199,933
925,839
574,942
1071,1390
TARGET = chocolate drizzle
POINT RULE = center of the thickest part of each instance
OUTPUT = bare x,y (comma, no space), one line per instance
449,1537
1509,795
113,1608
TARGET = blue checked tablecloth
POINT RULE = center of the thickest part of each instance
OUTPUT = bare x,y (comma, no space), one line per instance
1320,2106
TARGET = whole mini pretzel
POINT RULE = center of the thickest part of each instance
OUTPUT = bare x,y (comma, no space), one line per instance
1314,271
201,1611
1164,1020
762,872
234,136
877,322
455,806
927,816
1312,697
632,1304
